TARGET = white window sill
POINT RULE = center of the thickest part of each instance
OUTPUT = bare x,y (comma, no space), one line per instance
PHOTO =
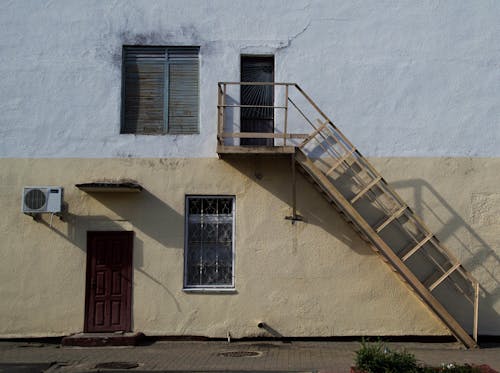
210,290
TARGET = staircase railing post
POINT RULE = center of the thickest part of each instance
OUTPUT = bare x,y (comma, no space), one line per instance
476,310
220,114
286,116
223,103
294,189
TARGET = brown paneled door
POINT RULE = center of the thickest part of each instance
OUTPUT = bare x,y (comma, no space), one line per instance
109,281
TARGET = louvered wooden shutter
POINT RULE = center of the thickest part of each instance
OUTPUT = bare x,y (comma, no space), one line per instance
183,90
161,82
144,90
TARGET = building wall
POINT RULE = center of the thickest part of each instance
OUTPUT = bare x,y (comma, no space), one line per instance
310,278
313,278
413,85
413,79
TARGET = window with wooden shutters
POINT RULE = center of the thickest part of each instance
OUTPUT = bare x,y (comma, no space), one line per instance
161,90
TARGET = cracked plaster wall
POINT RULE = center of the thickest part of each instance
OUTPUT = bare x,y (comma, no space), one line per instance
401,78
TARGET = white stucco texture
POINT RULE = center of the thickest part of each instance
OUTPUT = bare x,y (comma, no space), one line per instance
401,78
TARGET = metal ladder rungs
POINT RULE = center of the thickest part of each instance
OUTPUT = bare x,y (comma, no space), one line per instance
340,160
444,276
366,189
314,133
394,216
419,245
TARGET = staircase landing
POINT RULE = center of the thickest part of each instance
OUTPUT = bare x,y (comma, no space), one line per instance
248,149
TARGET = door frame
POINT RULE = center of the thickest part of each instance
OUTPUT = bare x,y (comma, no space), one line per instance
130,241
263,56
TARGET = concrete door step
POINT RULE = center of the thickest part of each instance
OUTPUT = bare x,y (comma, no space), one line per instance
103,339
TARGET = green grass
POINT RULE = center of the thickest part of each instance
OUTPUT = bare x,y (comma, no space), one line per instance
377,358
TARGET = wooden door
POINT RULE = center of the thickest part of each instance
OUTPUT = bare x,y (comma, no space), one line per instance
257,69
109,281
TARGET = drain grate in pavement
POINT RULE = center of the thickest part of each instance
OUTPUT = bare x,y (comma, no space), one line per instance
117,365
240,353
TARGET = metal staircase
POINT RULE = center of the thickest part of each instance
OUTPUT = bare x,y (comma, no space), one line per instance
379,215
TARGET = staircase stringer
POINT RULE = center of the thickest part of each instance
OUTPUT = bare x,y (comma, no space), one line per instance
392,259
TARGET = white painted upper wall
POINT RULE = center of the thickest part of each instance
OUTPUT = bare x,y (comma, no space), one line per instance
400,78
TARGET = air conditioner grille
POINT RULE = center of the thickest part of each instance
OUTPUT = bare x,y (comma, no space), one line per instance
35,199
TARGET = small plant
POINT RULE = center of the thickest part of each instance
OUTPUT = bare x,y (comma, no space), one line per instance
377,358
451,368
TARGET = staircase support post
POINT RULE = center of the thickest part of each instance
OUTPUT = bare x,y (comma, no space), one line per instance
295,217
294,189
476,310
286,117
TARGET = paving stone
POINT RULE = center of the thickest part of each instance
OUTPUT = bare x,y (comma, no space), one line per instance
180,356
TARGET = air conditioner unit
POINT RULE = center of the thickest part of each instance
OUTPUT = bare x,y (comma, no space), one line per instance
40,199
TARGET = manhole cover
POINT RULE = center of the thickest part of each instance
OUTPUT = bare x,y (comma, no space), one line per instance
117,365
240,353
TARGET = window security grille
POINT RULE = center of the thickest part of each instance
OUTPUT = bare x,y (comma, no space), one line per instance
209,246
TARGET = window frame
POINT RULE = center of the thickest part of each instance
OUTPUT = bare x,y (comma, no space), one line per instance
166,89
208,288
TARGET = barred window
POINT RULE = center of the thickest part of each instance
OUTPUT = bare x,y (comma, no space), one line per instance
209,244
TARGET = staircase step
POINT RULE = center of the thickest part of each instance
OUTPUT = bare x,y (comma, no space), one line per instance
366,189
394,216
313,134
417,247
340,161
444,276
103,339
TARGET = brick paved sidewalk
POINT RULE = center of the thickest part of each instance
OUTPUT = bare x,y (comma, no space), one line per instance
209,356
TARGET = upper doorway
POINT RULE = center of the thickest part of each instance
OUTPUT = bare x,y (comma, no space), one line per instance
257,119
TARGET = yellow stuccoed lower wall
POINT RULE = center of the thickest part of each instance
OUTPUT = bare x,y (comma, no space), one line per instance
312,278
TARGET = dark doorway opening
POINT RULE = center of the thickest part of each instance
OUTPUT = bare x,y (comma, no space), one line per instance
108,290
257,119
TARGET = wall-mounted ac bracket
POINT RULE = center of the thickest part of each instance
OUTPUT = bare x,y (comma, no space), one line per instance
294,218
